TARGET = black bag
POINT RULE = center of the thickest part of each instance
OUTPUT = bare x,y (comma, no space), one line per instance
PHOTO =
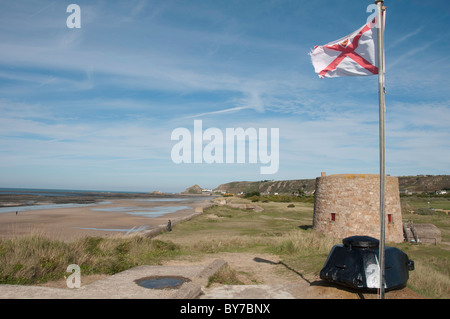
355,264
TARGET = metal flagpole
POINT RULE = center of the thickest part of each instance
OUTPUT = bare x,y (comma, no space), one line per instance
382,110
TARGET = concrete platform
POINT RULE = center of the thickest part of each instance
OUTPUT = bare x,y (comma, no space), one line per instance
248,292
123,285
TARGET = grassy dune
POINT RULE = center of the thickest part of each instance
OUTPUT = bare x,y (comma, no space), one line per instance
36,259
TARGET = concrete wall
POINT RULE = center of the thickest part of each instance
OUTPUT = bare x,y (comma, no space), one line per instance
349,204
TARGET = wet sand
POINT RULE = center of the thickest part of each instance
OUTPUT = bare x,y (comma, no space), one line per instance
67,223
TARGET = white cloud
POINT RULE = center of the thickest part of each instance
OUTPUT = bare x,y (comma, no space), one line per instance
109,95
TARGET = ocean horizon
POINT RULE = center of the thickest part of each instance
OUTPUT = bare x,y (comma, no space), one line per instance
60,192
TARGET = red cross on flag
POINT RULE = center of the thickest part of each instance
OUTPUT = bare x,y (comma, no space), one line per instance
353,55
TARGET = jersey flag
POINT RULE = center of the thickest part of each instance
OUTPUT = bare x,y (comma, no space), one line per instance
353,55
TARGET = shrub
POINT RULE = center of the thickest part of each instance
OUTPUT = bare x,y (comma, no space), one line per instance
252,194
225,276
33,259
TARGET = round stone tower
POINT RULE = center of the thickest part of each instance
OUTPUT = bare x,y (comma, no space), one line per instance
349,205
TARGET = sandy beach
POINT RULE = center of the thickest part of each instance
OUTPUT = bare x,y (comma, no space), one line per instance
102,218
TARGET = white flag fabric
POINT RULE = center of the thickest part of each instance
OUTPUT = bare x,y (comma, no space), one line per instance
353,55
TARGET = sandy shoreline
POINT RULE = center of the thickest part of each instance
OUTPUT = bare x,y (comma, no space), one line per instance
69,224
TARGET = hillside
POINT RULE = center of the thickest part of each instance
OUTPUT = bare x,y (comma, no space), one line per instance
424,183
281,187
194,189
414,184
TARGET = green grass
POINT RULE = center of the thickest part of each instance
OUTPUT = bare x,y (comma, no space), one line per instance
439,219
279,229
431,276
225,276
36,259
414,202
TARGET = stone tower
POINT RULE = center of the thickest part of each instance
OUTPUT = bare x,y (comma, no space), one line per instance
349,205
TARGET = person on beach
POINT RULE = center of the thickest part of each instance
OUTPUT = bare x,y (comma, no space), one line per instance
17,212
169,226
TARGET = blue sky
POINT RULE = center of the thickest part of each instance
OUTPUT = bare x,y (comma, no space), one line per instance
94,108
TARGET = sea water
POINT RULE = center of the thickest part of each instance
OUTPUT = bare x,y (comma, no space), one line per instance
137,211
40,207
148,212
